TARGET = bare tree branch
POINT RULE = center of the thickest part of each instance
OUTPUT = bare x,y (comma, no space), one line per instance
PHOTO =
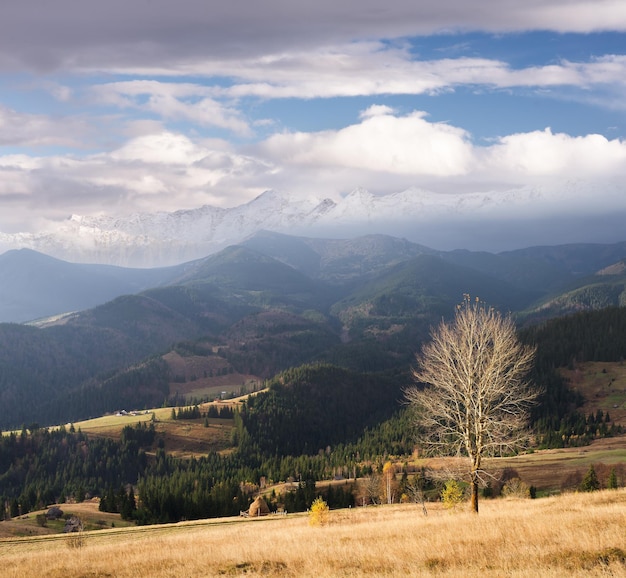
471,395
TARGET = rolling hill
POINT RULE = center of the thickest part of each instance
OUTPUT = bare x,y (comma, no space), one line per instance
34,285
606,288
365,304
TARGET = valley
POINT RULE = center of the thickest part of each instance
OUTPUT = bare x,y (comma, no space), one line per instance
278,367
324,289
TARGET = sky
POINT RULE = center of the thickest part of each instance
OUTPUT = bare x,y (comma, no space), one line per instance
124,106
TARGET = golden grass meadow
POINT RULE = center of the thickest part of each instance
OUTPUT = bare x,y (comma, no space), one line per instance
573,534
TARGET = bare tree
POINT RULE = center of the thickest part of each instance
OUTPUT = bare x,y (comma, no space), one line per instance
471,393
415,491
369,490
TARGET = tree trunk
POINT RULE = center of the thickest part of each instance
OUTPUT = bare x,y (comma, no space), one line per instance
474,498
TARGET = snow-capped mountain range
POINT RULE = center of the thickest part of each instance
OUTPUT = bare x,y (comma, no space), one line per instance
159,239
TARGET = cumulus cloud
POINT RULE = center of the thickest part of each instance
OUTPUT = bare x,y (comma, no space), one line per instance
410,145
166,170
376,110
543,153
165,148
381,142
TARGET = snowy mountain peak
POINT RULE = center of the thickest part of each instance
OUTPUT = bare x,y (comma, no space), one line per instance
470,220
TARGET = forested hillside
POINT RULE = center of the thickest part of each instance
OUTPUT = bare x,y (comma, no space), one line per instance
585,336
603,290
313,423
563,342
363,304
310,408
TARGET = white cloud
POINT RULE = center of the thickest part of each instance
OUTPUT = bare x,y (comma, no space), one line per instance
165,148
384,151
412,146
543,153
381,142
376,110
364,69
164,170
172,101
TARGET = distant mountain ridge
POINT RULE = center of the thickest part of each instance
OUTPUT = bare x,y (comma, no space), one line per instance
34,285
162,239
320,271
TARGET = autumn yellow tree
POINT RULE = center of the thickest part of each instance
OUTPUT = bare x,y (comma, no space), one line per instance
389,483
318,514
471,393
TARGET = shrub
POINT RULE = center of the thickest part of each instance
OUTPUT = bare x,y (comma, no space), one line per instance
452,494
41,520
515,488
318,514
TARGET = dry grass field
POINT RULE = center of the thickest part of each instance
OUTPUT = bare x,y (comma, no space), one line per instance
556,470
572,535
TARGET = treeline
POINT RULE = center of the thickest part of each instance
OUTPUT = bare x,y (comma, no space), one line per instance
575,429
216,485
585,336
311,407
172,489
194,412
563,342
46,467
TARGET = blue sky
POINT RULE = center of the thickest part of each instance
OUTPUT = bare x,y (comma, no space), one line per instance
150,105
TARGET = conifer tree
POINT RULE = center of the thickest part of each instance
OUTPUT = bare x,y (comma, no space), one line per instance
590,482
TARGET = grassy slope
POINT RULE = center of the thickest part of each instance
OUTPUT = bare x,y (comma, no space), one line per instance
603,385
183,438
569,535
552,471
88,512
